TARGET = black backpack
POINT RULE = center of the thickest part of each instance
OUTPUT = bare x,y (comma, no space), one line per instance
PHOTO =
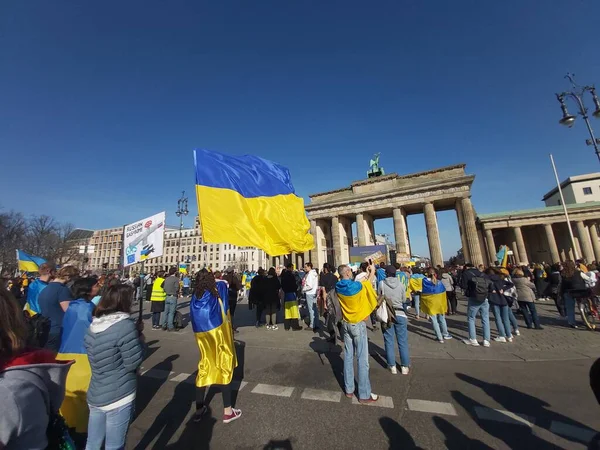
478,288
38,328
178,320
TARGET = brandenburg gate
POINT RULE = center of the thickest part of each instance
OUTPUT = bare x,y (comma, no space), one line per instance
333,213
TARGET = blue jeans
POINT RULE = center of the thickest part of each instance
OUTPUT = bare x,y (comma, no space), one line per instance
313,312
355,339
169,314
513,319
475,306
502,319
440,334
525,306
400,329
570,307
112,425
417,299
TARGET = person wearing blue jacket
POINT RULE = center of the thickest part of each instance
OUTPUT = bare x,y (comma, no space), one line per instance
114,347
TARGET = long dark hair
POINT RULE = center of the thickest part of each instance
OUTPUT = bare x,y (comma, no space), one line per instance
569,269
205,281
13,329
82,287
115,299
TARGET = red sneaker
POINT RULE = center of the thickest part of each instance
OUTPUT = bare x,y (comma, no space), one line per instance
235,414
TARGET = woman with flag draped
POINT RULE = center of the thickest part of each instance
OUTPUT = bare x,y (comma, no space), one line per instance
76,322
211,322
435,304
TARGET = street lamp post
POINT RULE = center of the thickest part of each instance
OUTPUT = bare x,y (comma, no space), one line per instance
577,94
182,210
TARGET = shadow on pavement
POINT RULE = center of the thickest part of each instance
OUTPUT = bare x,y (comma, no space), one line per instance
168,421
517,402
456,438
397,436
279,445
149,386
149,349
378,354
336,362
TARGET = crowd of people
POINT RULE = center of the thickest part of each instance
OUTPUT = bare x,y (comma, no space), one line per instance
69,342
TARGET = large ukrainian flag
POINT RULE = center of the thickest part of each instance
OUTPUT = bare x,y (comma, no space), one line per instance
76,322
249,201
29,263
357,299
433,297
212,327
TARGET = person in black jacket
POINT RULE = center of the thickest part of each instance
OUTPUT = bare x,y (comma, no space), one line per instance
572,286
289,286
499,304
271,300
256,294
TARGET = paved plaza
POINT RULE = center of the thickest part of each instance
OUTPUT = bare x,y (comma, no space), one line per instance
532,392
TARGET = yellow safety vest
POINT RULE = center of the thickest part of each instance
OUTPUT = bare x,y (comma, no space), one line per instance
158,293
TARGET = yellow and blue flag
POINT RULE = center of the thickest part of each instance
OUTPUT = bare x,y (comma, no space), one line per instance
249,201
29,263
502,255
357,299
211,323
433,297
76,322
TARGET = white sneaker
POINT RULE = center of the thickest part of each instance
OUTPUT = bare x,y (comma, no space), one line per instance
274,327
404,370
268,327
486,343
500,339
393,370
448,337
509,339
472,342
517,333
441,341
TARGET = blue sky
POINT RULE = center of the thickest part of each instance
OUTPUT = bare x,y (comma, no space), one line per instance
103,102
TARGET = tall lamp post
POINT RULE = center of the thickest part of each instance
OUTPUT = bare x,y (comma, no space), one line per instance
182,210
569,120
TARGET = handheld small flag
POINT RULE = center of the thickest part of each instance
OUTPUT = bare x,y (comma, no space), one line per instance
249,201
29,263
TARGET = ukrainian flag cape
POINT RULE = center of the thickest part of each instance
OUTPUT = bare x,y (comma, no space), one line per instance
502,255
403,277
433,297
32,305
357,299
212,327
415,283
29,263
76,322
249,201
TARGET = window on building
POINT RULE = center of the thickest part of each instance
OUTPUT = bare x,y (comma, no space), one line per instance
234,256
217,265
194,241
587,191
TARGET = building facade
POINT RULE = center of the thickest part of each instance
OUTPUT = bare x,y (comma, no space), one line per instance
107,252
577,189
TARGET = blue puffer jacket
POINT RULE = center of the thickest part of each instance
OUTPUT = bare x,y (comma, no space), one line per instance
115,352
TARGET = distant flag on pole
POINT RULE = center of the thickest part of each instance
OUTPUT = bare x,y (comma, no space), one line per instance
502,255
183,268
29,263
249,201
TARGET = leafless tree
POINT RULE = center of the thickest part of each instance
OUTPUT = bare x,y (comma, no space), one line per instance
13,231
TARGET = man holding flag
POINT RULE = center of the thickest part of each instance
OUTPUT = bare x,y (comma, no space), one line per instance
357,302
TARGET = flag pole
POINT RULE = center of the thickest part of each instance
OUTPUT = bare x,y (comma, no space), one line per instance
562,200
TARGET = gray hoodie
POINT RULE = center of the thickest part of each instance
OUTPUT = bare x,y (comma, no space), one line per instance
25,392
394,290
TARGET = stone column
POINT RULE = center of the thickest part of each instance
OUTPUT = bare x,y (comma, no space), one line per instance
491,245
520,246
401,233
370,229
461,230
360,230
584,240
294,259
337,240
306,257
313,253
593,228
345,232
433,235
471,232
515,250
552,243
